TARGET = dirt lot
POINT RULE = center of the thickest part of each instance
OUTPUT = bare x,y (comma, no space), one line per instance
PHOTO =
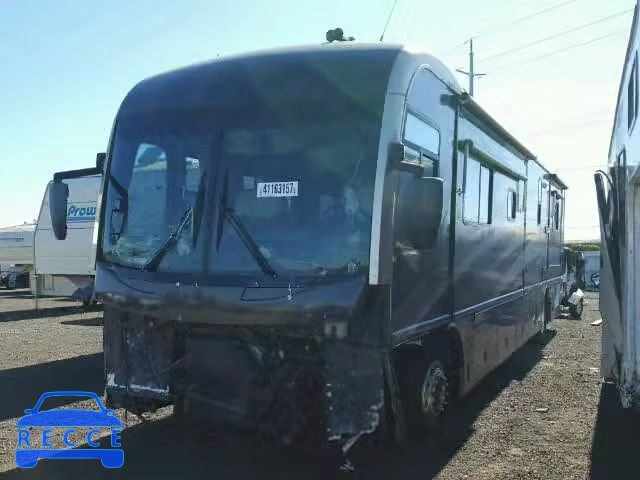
542,415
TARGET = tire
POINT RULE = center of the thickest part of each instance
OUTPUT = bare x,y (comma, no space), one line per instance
427,387
542,336
576,310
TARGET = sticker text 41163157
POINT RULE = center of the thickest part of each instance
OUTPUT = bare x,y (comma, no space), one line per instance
277,189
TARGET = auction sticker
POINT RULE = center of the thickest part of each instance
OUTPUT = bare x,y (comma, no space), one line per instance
277,189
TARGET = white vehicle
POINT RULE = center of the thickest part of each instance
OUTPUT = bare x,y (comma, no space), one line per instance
618,192
66,268
16,255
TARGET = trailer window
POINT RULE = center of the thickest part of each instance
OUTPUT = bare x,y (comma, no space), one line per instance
477,192
632,94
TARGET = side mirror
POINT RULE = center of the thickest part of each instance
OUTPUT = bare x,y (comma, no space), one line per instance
420,211
397,160
58,195
100,159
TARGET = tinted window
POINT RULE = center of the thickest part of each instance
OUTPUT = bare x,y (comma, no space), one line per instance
421,134
302,191
423,144
472,191
485,195
477,193
511,204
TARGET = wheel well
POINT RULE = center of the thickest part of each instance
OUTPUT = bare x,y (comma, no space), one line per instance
409,352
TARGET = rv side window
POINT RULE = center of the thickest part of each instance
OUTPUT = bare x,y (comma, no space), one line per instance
512,202
485,194
632,94
539,201
423,142
477,193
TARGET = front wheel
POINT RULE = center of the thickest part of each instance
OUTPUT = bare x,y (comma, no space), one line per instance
427,388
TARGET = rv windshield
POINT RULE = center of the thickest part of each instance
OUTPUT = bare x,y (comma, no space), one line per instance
300,192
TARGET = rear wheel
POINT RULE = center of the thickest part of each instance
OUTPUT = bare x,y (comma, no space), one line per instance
427,387
576,310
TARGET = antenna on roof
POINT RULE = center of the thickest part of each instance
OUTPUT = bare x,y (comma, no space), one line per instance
384,30
337,35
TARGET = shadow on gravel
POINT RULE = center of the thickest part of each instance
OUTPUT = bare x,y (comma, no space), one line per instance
166,450
13,316
85,322
616,439
22,293
21,387
169,449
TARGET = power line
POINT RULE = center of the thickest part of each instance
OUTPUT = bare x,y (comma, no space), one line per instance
583,167
561,50
596,120
525,18
556,35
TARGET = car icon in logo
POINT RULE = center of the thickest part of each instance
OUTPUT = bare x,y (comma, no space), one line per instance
69,419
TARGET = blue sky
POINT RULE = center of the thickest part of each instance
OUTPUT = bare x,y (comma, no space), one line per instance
68,64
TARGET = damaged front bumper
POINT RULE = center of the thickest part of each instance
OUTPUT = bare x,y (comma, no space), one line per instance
296,384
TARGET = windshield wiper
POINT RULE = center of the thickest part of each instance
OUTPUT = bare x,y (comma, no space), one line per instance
153,261
193,213
229,214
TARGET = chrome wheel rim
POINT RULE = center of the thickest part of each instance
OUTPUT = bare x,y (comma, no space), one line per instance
434,390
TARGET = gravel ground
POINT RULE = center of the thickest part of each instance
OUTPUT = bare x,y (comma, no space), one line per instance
543,415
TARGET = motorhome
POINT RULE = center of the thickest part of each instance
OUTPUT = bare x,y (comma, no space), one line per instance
67,268
618,193
16,255
328,241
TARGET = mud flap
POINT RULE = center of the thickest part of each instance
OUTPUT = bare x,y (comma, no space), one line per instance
354,389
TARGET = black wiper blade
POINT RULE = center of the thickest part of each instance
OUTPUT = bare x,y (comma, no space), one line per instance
153,261
228,213
249,242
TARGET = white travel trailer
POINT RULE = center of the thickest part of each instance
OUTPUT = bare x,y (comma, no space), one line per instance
16,255
67,267
618,192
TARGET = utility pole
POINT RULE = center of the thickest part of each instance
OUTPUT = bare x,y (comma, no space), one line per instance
471,73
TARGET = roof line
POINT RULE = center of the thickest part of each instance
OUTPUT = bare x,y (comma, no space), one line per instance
632,37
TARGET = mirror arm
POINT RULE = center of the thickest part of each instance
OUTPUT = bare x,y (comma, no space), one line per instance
83,172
